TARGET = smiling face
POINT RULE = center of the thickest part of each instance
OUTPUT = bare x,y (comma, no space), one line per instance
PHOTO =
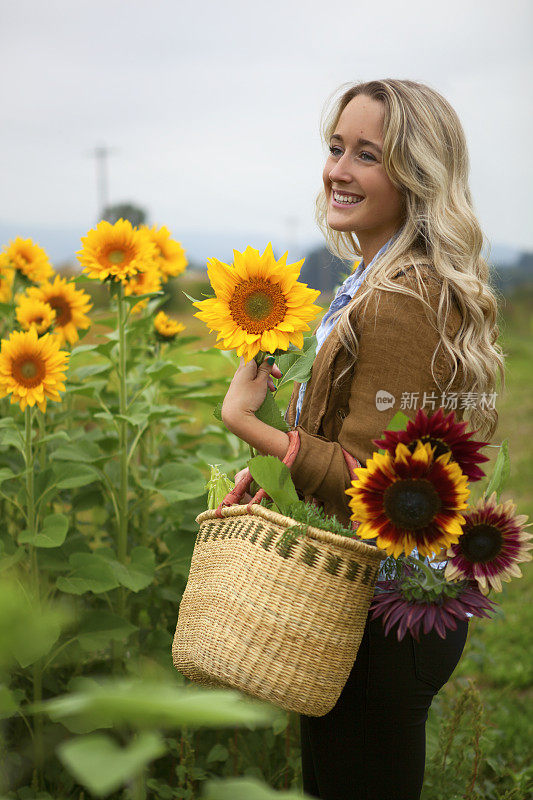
354,168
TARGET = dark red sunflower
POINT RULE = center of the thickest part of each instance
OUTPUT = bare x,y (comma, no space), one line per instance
443,433
409,499
399,606
493,543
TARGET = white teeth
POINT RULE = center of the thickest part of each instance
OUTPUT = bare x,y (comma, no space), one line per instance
348,199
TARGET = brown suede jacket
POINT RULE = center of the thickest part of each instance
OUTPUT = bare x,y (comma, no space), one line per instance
396,345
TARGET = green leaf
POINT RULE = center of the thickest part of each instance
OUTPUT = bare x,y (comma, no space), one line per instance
8,702
217,753
91,369
90,573
163,705
270,413
398,422
6,474
105,349
12,436
139,572
245,789
102,766
217,411
83,451
136,420
135,298
98,628
10,560
275,478
500,472
300,370
192,299
27,631
54,437
161,370
177,481
52,534
71,476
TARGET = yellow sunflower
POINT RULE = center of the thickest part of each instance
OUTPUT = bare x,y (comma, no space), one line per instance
31,368
170,255
69,303
143,283
31,311
166,328
116,251
409,500
259,304
7,276
29,259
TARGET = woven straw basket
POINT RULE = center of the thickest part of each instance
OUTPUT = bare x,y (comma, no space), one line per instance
281,621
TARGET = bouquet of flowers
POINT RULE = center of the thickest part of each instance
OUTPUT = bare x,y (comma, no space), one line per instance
412,494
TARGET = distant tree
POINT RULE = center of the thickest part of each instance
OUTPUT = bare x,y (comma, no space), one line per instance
324,271
136,215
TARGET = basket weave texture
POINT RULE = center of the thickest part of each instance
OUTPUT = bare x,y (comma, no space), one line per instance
279,620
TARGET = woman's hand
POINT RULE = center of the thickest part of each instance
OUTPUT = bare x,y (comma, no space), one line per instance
247,391
238,477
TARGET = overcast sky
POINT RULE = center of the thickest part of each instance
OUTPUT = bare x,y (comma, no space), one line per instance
213,107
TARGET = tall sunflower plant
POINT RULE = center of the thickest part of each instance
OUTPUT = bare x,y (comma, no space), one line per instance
260,309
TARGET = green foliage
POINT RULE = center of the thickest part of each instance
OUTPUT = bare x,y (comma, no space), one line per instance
89,700
269,413
275,478
308,514
101,765
500,472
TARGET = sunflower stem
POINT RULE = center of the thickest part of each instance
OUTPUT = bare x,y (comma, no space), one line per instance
430,579
38,744
122,543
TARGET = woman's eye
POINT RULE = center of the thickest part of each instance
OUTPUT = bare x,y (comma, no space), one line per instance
335,151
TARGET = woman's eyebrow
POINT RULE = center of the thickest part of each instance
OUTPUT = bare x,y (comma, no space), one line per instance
360,141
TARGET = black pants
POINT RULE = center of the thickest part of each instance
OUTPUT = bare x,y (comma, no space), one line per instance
372,744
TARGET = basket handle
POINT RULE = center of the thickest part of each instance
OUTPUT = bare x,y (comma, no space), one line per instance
243,485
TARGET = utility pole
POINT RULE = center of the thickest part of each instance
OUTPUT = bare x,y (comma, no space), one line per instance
100,153
291,228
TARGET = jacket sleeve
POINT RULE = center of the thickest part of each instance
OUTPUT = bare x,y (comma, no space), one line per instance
396,346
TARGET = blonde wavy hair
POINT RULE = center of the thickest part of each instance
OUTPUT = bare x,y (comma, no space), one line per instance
426,158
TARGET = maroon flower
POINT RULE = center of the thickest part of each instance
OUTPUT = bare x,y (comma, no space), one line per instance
443,433
491,546
399,606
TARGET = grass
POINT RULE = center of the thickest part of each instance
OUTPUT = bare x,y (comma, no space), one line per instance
497,655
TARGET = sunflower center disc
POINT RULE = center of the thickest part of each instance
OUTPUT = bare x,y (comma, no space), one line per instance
481,543
410,503
62,309
440,446
257,305
28,369
116,256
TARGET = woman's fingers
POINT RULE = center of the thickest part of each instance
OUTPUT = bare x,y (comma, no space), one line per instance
240,475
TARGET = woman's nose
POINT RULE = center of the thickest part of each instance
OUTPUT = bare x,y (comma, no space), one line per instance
340,171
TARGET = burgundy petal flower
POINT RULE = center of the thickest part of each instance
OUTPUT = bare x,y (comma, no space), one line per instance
416,615
444,433
491,546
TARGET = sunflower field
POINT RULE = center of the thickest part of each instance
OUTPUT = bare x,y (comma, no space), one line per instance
107,442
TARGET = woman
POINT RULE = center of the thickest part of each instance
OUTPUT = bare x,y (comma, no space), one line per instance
415,326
